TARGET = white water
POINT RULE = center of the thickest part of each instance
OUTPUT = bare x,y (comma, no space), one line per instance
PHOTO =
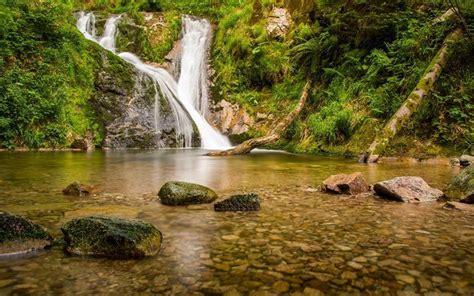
192,83
191,94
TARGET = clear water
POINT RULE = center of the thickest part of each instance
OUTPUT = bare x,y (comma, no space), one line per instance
300,240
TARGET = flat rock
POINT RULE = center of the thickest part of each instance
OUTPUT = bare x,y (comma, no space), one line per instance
111,237
183,193
454,205
407,189
20,235
461,187
346,184
239,202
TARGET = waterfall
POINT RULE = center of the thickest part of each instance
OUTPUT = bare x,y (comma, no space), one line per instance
192,83
190,92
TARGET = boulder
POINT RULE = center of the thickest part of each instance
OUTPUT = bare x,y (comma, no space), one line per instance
19,235
77,189
346,184
466,160
279,22
183,193
461,187
239,202
407,189
109,237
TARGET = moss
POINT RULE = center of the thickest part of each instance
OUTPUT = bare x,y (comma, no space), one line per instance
461,186
184,193
111,237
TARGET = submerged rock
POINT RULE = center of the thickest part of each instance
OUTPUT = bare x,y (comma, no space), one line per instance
18,235
77,189
183,193
239,202
407,189
453,205
346,184
111,237
461,187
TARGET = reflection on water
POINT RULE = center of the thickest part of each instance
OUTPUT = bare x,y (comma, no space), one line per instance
299,241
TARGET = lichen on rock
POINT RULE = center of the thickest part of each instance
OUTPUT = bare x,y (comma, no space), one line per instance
183,193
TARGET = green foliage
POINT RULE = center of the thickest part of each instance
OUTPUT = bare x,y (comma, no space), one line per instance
46,75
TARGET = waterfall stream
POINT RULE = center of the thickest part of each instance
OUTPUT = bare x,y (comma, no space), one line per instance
188,98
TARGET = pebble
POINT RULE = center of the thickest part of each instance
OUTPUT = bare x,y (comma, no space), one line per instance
230,237
281,287
405,278
355,265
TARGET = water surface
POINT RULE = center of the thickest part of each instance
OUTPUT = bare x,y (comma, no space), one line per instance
300,240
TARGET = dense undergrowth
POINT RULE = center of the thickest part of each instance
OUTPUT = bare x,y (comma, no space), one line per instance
364,57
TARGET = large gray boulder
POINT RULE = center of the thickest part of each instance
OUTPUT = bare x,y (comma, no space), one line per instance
407,189
20,235
111,237
461,187
346,184
177,193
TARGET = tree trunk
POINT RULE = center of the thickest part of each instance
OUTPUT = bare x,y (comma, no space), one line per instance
274,135
413,102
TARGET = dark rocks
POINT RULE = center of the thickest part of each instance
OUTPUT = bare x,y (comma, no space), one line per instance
109,237
346,184
461,187
407,189
239,202
183,193
18,235
77,189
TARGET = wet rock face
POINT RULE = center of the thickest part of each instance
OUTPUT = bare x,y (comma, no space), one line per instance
111,237
18,234
346,184
124,104
407,189
229,118
77,189
461,187
239,202
184,193
279,22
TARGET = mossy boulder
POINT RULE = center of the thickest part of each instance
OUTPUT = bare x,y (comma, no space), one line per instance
19,235
239,202
461,187
110,237
177,193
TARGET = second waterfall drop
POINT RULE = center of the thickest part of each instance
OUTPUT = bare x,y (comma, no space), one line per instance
192,83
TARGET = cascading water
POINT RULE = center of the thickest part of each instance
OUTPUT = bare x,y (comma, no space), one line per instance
192,83
188,94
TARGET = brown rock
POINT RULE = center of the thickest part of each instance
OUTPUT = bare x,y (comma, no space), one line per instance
346,184
454,205
77,189
407,189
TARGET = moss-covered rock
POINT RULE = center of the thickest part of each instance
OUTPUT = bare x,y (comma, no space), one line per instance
239,202
183,193
109,237
461,187
18,234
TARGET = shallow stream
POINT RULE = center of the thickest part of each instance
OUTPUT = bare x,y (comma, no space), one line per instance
300,242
